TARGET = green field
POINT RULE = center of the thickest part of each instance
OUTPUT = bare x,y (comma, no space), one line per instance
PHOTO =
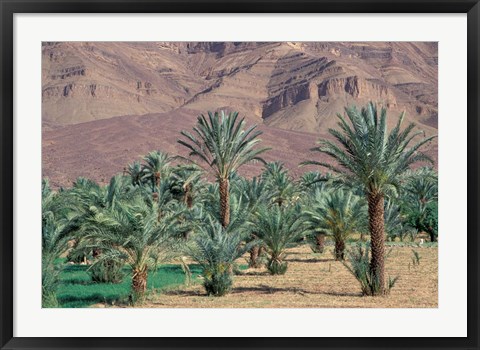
77,289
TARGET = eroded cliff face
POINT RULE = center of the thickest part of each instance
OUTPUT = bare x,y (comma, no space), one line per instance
356,87
297,86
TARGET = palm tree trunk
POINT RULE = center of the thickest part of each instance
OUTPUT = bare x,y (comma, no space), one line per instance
96,252
254,253
188,199
376,223
339,250
320,242
224,202
139,282
432,235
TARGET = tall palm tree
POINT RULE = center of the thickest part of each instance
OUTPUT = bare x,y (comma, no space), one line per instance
339,214
367,154
224,145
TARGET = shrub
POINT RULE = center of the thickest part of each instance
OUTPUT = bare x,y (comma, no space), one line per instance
338,214
361,270
218,279
416,257
79,253
49,299
216,248
107,271
277,267
278,228
50,281
316,241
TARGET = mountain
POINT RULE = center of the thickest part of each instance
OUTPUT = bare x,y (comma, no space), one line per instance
291,89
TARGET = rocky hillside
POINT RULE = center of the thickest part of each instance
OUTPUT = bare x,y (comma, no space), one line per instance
281,86
291,85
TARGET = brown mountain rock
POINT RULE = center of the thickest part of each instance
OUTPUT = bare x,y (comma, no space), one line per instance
292,90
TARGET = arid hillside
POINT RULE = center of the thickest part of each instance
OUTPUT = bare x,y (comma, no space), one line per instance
292,90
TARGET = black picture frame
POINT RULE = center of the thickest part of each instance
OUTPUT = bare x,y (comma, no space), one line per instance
9,7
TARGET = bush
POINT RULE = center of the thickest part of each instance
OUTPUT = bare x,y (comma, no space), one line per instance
50,281
49,300
218,280
359,258
78,255
277,267
416,257
107,271
316,242
216,248
278,228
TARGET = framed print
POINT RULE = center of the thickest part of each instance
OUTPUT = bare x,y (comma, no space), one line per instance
270,174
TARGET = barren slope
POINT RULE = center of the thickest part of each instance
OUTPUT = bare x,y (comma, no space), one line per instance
100,149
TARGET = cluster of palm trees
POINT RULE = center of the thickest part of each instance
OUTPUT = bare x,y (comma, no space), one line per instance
165,208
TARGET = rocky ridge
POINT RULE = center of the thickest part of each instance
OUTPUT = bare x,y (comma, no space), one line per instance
291,89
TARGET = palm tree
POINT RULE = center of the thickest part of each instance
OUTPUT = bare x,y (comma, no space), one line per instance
420,197
273,169
86,193
278,228
135,172
367,154
339,214
421,187
224,145
280,184
311,181
395,223
313,186
216,249
254,192
133,233
156,167
58,224
315,238
186,182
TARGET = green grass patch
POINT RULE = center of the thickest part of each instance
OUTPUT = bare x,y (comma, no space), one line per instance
77,289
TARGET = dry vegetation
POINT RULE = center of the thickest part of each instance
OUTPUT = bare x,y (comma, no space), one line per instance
316,281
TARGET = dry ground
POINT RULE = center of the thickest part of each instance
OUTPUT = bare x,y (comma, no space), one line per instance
317,281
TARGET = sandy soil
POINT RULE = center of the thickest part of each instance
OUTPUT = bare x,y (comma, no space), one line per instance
317,281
